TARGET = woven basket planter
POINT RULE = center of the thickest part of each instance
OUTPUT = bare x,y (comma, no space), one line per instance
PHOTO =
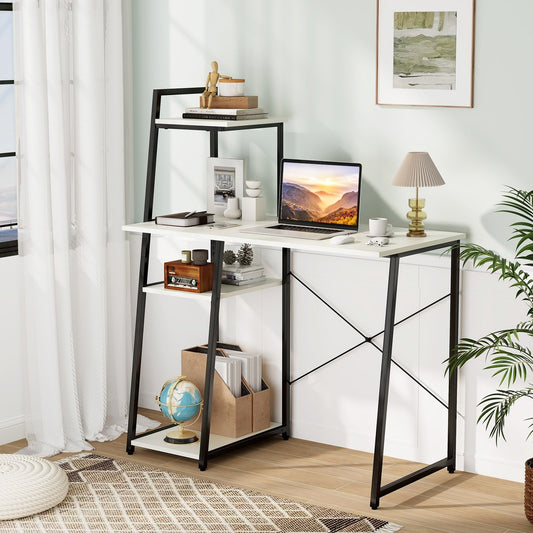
528,491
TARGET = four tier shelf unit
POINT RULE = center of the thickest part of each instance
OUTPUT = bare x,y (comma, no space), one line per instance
209,445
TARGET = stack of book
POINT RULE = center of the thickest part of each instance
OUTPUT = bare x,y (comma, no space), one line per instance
242,275
253,113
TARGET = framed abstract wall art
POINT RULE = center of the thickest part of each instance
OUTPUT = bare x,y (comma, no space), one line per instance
425,52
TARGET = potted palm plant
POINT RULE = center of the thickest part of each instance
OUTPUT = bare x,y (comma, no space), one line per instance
506,352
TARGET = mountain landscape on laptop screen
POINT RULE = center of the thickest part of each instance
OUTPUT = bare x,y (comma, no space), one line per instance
322,193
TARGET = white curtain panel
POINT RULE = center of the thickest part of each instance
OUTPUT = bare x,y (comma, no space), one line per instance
69,80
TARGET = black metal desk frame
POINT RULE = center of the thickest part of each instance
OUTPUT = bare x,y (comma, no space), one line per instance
387,360
217,249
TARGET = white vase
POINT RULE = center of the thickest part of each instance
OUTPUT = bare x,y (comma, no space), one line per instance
232,211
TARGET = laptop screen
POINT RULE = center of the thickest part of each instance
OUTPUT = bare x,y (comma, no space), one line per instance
320,193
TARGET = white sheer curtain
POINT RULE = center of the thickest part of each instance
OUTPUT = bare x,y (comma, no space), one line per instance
69,80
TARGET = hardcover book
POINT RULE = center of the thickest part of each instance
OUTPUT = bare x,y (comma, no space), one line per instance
219,116
222,111
240,282
185,219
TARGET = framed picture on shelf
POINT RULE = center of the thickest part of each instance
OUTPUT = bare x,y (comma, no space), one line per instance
425,52
225,179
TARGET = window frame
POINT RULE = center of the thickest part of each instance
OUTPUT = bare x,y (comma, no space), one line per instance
10,247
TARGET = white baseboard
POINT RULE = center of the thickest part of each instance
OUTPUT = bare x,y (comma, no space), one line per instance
12,429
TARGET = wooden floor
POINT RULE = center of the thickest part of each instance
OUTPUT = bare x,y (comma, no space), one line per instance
340,478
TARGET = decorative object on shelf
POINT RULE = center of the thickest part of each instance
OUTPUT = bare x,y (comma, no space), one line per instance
233,102
181,402
245,255
253,209
211,85
185,256
231,87
253,188
232,211
225,179
199,256
186,218
425,58
417,170
507,351
188,277
229,257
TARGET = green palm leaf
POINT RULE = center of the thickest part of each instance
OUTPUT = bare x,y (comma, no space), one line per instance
496,407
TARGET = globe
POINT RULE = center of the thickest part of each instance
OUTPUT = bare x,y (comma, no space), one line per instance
180,401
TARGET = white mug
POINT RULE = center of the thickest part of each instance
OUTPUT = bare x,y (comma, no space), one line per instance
379,227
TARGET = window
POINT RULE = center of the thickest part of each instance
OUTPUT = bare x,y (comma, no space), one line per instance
8,162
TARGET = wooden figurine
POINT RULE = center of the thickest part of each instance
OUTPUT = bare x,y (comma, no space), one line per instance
211,85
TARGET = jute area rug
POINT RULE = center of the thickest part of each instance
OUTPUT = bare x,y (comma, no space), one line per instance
108,495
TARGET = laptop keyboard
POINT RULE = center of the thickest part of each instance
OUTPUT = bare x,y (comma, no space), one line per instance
305,229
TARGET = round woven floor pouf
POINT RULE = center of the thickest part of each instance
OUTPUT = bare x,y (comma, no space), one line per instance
29,485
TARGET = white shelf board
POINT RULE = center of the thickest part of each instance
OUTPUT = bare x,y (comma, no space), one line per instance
155,441
226,291
220,123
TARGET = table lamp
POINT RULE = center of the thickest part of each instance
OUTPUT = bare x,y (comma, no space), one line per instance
417,170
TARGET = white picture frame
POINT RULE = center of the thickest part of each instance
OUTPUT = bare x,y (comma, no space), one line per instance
225,179
425,72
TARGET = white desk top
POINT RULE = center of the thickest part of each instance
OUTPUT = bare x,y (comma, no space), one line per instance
399,242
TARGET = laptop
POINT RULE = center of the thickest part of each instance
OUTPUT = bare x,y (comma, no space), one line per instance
316,200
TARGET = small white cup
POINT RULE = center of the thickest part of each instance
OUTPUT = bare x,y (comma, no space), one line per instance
254,193
379,227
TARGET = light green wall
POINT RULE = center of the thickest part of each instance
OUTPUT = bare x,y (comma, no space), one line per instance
313,63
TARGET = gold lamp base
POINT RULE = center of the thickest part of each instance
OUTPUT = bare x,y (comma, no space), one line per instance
416,217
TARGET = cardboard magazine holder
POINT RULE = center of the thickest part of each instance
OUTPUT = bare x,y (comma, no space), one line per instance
261,407
230,416
260,400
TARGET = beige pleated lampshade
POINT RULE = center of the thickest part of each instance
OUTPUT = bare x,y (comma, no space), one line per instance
417,170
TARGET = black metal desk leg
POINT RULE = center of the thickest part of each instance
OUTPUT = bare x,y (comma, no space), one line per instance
286,342
384,381
217,251
454,338
138,343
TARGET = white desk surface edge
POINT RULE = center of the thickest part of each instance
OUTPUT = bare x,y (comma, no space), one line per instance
399,242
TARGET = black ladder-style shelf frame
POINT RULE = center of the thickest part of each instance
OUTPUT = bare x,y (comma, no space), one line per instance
217,250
